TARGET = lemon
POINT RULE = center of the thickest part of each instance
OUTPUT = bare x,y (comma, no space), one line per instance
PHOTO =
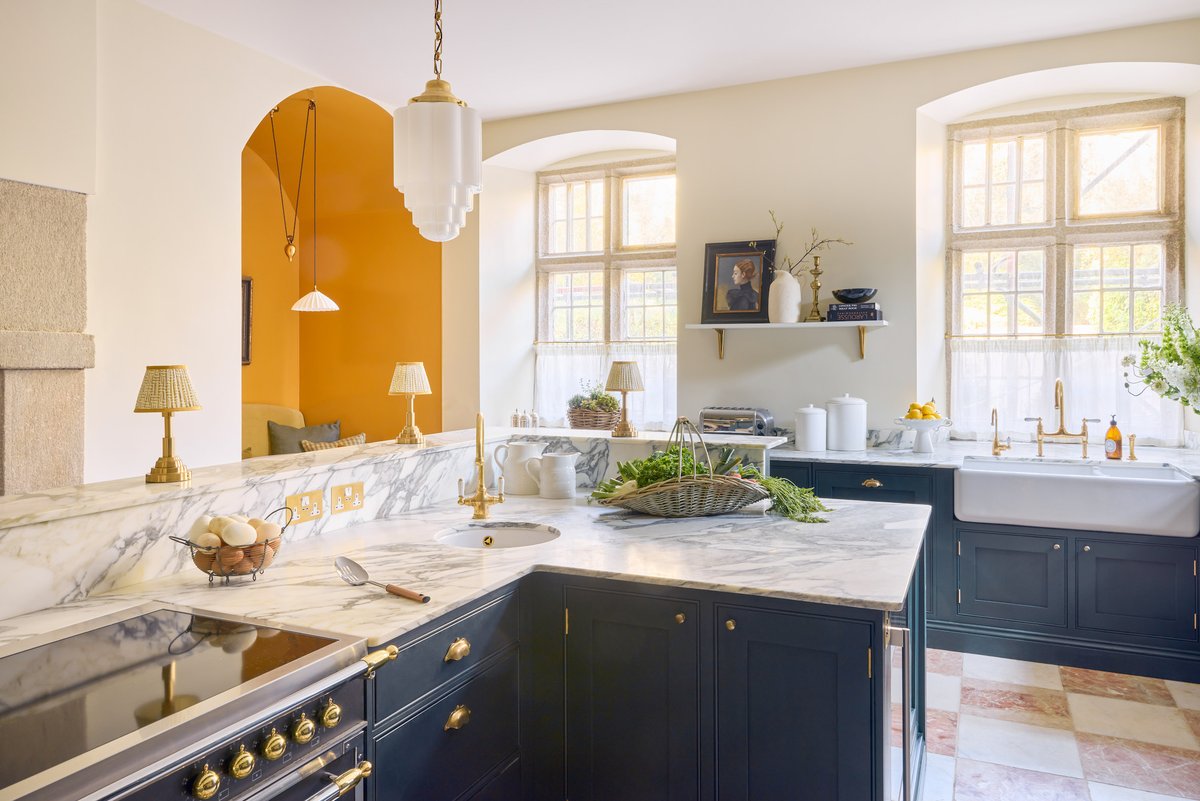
913,414
914,407
929,408
929,416
937,416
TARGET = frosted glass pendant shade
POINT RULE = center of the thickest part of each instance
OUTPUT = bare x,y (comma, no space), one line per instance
315,301
438,160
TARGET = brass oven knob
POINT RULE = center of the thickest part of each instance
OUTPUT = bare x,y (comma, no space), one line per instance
206,784
274,746
242,764
458,649
303,729
331,715
460,717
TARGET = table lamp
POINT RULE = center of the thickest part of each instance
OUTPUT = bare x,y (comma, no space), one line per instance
166,388
624,377
409,379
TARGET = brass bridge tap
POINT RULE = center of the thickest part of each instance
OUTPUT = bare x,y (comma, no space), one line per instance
480,500
997,447
1061,435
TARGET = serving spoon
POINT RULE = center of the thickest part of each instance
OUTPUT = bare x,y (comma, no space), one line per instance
354,573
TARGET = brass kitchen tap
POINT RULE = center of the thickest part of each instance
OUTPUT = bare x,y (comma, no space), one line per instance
1061,435
997,448
480,500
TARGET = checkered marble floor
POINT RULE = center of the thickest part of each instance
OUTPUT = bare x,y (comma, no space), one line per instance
1006,730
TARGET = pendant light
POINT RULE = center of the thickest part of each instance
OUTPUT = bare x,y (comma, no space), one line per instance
289,235
315,301
438,153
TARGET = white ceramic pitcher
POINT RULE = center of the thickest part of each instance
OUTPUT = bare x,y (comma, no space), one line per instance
554,474
512,458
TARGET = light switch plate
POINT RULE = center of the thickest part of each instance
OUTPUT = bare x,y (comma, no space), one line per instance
307,506
347,498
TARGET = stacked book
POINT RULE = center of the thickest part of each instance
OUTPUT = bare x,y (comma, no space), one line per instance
854,312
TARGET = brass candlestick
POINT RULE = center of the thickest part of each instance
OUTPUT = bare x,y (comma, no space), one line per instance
814,315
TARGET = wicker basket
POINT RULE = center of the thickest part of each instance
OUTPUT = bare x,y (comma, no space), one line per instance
588,418
227,561
693,495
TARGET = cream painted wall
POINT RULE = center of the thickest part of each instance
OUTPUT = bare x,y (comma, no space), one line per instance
48,93
462,298
837,151
176,106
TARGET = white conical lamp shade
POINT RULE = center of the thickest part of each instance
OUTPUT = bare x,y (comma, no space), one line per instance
438,162
315,301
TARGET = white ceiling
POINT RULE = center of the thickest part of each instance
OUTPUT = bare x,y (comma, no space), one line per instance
515,57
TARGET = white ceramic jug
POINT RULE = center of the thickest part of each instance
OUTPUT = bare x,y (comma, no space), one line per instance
512,458
554,474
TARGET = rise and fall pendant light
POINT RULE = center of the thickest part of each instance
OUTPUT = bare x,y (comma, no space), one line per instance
289,235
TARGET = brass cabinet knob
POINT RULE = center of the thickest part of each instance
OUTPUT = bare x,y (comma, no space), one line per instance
731,624
460,717
242,764
1057,547
274,746
331,714
206,784
350,779
303,729
1087,548
680,617
872,483
458,649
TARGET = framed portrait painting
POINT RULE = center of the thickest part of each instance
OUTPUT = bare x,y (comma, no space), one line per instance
737,280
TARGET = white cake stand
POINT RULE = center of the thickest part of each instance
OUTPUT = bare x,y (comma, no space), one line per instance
923,442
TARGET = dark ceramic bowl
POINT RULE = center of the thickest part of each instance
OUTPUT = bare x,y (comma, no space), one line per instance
859,294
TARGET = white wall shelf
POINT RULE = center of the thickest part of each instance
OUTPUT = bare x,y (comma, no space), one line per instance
721,328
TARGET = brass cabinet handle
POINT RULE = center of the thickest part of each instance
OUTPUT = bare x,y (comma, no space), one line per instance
350,779
680,617
458,649
242,764
731,624
377,659
872,483
460,717
1058,547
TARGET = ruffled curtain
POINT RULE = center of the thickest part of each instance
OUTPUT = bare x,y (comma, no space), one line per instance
563,367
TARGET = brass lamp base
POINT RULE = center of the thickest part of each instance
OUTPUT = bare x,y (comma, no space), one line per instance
410,435
168,470
624,428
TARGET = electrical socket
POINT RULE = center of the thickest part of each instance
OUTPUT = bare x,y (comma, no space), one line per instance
306,506
347,498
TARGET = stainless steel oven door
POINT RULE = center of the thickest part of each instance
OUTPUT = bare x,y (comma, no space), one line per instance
336,773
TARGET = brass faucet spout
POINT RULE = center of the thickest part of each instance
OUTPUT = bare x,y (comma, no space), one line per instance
480,500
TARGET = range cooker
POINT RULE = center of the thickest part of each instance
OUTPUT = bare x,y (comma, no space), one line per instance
161,702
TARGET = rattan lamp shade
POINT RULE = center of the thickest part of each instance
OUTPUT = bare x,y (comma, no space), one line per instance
166,388
624,377
409,379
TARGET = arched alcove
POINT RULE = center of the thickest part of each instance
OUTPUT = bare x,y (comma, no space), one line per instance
370,260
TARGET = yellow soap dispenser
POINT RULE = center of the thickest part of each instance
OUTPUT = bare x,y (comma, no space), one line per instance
1112,440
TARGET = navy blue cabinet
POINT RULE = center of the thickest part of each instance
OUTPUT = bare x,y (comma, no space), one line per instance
871,483
632,697
1013,577
1139,589
793,695
799,473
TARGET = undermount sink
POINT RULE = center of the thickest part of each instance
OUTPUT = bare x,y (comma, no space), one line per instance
497,534
1090,496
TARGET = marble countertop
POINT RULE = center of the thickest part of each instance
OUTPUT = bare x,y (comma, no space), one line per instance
642,438
863,557
950,454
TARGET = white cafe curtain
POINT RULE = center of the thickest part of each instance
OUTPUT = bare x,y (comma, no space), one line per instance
562,369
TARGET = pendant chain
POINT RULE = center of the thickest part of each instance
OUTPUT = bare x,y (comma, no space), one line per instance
290,236
437,39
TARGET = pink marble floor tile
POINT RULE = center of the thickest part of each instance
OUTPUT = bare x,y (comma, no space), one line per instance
984,781
941,731
1116,685
1141,766
1017,703
948,663
1193,718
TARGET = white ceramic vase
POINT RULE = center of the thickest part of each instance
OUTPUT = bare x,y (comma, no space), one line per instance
783,304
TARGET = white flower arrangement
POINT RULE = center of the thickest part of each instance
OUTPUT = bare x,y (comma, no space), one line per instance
1170,367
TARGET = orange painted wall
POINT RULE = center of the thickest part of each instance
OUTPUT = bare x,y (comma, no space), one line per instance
370,260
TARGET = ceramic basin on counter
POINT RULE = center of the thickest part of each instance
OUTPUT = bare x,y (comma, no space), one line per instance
497,534
1089,496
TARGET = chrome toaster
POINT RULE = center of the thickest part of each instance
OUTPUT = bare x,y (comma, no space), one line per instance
736,420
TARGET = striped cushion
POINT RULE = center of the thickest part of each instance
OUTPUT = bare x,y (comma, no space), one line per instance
357,439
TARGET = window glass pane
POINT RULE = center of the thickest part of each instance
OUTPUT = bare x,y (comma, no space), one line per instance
1004,204
974,272
1118,172
1085,273
1148,265
999,313
1085,318
635,323
974,207
974,314
1033,158
596,188
974,163
561,327
596,234
597,297
1116,266
654,293
579,236
580,324
634,294
1030,270
670,323
558,202
1033,202
1004,161
1147,311
670,293
1030,314
558,237
649,209
596,333
1116,312
1002,272
654,322
578,200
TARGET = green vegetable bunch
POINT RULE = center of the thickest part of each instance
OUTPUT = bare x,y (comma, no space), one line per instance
796,503
594,399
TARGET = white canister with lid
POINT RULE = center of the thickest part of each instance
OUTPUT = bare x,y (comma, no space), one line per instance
810,428
847,424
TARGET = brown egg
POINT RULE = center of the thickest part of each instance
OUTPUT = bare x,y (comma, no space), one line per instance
244,567
228,557
203,560
268,557
255,553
